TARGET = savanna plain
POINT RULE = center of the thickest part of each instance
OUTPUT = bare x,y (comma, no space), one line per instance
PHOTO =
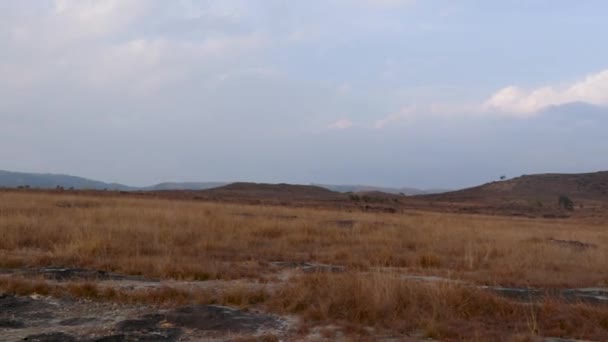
303,273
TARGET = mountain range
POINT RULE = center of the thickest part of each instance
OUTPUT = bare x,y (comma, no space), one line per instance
9,179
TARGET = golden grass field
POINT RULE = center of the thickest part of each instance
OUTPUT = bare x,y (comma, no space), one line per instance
204,241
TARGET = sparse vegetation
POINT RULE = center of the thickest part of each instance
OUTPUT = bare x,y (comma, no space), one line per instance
195,240
441,311
200,241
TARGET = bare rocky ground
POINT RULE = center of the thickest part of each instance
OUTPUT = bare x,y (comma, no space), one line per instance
35,318
40,318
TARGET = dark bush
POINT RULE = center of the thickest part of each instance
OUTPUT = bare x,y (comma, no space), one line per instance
566,203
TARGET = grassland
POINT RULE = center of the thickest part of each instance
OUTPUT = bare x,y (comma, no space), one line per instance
204,241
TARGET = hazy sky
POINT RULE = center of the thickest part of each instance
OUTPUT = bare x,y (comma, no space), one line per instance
383,92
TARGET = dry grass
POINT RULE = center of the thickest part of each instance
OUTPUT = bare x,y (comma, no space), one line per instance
163,296
90,290
438,310
192,240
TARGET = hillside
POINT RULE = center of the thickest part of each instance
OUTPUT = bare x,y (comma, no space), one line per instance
530,194
263,191
584,186
10,179
369,188
183,186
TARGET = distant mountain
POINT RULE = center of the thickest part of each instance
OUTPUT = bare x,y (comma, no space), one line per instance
369,188
184,186
10,179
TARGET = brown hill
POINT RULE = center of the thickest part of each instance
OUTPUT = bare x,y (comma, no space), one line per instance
533,194
273,191
584,186
265,194
288,195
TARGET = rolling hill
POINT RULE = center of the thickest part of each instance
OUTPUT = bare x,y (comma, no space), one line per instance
529,195
583,186
10,179
369,188
244,190
184,186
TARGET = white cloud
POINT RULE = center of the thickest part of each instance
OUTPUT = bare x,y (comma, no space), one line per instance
119,51
340,124
152,64
75,20
94,43
514,100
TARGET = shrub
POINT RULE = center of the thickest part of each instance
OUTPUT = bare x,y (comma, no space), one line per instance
565,202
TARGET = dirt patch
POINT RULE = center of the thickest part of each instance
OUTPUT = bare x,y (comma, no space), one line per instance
521,294
308,267
572,244
284,217
147,322
342,223
82,320
77,321
39,318
278,217
9,323
51,337
590,295
14,308
68,273
77,204
147,328
221,318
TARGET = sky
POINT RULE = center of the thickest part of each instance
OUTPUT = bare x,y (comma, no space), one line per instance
428,94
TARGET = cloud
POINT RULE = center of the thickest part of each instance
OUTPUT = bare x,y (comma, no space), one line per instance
111,46
341,124
156,89
78,21
148,64
514,100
